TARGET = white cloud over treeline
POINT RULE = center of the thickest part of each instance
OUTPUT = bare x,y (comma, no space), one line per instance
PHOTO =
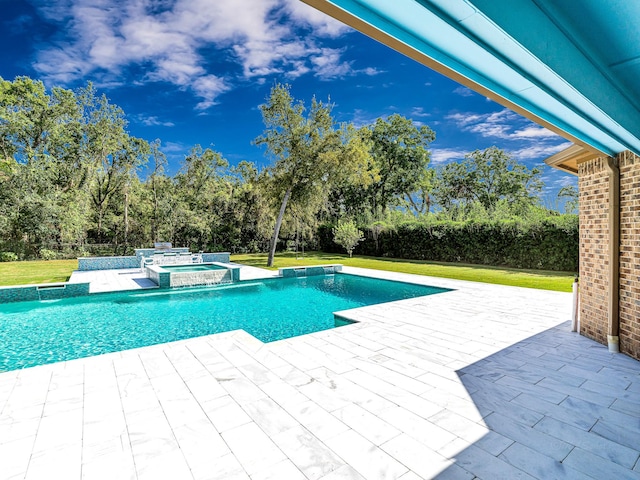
176,41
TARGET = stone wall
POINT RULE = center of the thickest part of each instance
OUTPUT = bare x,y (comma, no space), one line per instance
594,246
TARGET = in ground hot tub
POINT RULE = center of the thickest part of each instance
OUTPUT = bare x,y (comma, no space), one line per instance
190,275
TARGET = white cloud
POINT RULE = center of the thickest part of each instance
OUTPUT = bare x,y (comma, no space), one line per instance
419,112
174,147
567,180
464,91
539,150
153,121
503,124
523,139
371,71
445,155
534,132
208,87
175,41
321,23
327,64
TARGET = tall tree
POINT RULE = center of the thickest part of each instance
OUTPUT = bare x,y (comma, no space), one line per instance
113,154
398,172
304,149
156,180
39,135
487,177
31,120
202,188
400,151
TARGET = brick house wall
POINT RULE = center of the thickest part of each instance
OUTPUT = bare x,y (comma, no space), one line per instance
594,244
630,254
593,185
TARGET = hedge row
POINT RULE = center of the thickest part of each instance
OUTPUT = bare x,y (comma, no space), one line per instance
547,245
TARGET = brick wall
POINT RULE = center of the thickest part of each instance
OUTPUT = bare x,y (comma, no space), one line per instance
630,254
594,265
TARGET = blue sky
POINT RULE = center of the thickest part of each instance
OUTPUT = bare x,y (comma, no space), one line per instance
194,72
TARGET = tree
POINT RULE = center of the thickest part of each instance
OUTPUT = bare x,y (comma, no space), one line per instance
32,121
111,152
570,194
397,172
419,201
309,152
156,180
487,177
246,216
39,142
202,191
347,235
400,152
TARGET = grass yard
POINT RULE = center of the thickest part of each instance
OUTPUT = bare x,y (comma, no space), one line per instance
544,280
24,273
38,271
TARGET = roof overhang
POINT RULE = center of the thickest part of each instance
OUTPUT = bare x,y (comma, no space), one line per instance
570,158
571,67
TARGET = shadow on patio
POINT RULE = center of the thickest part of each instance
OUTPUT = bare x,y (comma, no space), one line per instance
557,404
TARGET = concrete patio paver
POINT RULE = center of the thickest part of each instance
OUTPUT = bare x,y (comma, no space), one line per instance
481,382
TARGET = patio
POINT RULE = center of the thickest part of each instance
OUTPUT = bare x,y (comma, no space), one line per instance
482,382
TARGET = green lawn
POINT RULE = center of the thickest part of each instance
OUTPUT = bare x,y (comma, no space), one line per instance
545,280
23,273
39,271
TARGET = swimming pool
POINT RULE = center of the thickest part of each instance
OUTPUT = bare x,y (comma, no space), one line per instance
36,333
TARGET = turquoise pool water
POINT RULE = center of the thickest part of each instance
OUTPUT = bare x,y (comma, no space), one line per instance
36,333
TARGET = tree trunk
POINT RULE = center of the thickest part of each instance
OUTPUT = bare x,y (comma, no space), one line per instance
276,230
297,238
154,226
100,223
126,220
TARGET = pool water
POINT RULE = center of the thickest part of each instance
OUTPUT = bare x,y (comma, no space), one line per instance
36,333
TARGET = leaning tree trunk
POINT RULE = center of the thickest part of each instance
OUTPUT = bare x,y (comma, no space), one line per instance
276,230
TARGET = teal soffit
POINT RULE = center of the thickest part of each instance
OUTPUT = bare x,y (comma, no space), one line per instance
571,66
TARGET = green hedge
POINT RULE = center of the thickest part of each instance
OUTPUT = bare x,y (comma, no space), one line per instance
548,245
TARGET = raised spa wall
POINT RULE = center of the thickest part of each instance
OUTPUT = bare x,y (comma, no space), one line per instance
165,279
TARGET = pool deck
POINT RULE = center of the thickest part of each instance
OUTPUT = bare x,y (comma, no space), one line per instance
481,382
